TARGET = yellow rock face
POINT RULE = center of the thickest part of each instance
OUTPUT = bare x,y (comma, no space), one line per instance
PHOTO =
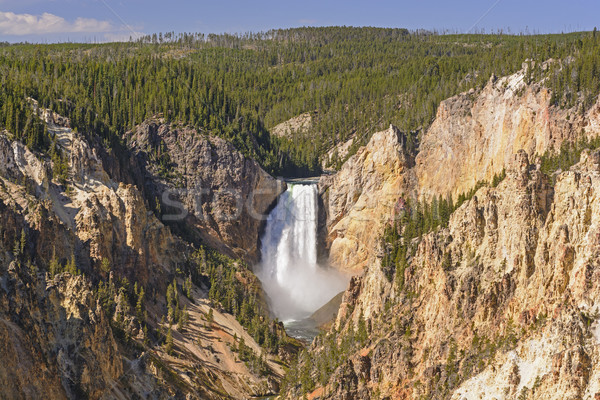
361,198
475,135
521,278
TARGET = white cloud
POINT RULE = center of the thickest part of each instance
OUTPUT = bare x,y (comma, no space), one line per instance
28,24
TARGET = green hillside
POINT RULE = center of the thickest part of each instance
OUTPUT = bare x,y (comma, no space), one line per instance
355,80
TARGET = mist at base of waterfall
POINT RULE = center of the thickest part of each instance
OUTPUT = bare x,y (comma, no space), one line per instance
293,281
302,292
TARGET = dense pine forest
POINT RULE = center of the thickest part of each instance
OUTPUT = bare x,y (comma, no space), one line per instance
354,81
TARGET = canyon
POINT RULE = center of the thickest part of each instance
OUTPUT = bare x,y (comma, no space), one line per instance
500,302
102,224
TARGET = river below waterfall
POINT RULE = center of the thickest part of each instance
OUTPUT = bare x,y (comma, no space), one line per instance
294,282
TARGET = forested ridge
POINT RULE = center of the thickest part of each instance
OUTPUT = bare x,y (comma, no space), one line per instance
354,81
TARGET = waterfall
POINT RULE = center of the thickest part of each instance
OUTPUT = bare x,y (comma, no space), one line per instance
296,285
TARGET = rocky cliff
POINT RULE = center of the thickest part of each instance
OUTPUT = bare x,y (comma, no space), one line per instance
91,277
56,340
225,196
473,138
361,198
500,303
475,134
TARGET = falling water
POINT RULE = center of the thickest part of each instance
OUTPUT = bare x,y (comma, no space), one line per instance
296,285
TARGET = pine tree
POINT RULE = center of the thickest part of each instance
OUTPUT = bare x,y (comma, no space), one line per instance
140,305
361,334
72,266
169,342
105,266
54,267
23,241
19,247
188,287
210,316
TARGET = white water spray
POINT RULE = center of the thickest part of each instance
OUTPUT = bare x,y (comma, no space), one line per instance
296,285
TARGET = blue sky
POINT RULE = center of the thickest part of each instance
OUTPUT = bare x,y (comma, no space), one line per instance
102,20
